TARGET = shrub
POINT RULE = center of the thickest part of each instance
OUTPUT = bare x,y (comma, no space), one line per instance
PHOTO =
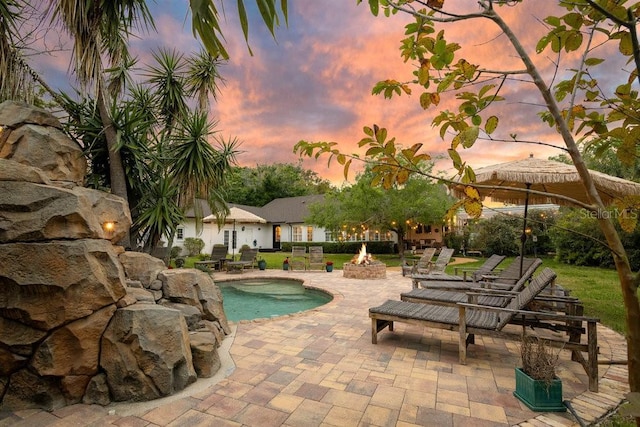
579,241
193,245
175,251
497,235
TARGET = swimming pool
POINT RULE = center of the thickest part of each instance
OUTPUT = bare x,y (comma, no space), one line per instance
249,299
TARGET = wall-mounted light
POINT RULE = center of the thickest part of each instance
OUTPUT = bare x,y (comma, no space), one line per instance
109,227
243,228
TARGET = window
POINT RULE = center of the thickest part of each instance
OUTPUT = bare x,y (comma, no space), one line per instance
297,234
376,236
226,238
328,236
309,233
179,233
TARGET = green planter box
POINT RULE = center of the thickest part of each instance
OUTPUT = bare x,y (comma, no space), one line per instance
536,395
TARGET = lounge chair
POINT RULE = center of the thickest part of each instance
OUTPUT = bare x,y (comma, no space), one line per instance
480,294
437,266
424,262
316,258
505,279
298,258
248,259
217,259
474,319
472,275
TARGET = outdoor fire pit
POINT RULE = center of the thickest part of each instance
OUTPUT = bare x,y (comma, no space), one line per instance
363,266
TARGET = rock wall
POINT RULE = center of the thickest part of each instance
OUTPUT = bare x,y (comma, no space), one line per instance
81,320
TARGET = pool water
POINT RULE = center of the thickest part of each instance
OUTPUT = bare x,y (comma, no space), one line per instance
265,298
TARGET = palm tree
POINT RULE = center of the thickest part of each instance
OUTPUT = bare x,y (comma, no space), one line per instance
97,28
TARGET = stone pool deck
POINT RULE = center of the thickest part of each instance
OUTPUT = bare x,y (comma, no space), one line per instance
319,368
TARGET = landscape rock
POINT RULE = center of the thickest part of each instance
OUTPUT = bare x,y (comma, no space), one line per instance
29,391
14,171
206,360
142,267
191,314
179,285
46,148
45,285
36,212
74,348
15,113
141,295
97,391
159,364
73,387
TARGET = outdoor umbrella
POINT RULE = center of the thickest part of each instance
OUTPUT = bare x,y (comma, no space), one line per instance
555,178
240,216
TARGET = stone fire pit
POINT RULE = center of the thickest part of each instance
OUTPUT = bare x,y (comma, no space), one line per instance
374,270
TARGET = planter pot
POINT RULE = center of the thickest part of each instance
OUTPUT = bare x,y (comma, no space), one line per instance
536,395
329,268
285,266
262,264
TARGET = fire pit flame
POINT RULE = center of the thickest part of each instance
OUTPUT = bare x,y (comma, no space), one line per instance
363,258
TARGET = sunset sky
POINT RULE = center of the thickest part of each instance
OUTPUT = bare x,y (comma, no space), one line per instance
314,81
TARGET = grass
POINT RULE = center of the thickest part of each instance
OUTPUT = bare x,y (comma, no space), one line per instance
597,288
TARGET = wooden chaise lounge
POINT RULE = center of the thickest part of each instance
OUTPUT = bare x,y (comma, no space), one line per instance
474,319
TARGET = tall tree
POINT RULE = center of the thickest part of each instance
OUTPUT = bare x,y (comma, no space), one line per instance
399,208
582,102
257,186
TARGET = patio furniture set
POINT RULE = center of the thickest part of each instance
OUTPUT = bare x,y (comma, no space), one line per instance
496,303
221,262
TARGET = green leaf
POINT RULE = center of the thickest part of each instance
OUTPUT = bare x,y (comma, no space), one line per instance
593,61
491,125
626,45
373,5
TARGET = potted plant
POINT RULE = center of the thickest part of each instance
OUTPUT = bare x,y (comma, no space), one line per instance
537,385
285,264
329,266
262,263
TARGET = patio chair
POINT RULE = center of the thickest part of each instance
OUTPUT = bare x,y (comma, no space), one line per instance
479,293
424,261
475,319
316,258
505,279
439,264
217,259
473,275
298,259
248,259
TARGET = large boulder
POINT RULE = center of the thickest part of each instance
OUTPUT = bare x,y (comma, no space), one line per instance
34,138
45,285
35,212
14,171
179,285
205,354
146,353
141,267
73,349
27,390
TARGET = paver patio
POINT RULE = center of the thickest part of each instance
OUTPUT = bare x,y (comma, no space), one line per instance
319,368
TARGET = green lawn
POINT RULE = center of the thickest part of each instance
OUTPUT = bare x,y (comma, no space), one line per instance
598,288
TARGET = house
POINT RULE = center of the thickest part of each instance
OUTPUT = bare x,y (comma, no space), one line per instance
281,220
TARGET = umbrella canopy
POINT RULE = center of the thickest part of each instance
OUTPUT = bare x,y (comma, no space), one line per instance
548,176
237,215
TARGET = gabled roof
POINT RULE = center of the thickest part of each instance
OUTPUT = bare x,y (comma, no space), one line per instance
289,209
284,210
